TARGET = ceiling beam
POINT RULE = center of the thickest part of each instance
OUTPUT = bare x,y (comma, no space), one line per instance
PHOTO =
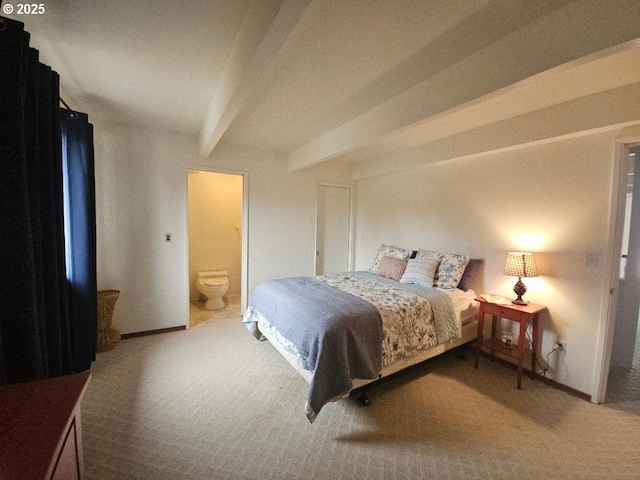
616,109
578,29
264,30
605,70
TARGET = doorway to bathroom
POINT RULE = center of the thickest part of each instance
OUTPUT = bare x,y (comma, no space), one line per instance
217,243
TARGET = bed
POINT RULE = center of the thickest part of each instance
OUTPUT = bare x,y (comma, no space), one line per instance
346,330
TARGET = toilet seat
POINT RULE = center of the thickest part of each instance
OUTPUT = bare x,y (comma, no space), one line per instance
213,285
215,282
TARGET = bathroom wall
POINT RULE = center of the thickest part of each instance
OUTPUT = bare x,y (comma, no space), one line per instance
215,221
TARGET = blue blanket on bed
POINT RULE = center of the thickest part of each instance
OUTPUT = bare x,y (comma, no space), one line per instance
338,335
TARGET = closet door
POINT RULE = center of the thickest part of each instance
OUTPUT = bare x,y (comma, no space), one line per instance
334,228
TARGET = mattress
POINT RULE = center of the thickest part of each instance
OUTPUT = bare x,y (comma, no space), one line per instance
466,308
469,333
465,304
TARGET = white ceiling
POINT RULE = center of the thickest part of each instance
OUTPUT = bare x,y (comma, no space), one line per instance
341,80
151,62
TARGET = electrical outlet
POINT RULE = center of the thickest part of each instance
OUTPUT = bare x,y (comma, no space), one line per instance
563,344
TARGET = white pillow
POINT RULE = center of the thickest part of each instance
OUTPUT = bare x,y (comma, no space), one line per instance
451,268
390,251
420,271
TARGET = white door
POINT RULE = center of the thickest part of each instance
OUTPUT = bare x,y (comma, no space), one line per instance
628,306
334,224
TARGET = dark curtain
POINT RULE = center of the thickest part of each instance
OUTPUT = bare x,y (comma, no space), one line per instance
80,234
41,334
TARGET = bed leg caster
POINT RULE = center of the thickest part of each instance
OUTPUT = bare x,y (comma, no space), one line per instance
461,352
364,400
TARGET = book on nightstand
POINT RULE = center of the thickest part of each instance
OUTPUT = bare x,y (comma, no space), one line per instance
495,299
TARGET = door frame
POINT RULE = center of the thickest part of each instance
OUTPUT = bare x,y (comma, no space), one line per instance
624,339
628,137
352,214
244,255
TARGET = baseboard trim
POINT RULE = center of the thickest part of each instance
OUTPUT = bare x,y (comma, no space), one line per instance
152,332
564,388
540,378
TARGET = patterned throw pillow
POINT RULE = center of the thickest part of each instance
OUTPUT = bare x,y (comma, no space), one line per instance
420,271
451,268
390,251
392,268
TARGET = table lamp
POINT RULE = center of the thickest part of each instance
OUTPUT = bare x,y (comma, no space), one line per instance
520,264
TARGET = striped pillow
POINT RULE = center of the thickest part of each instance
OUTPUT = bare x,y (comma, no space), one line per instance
420,271
390,267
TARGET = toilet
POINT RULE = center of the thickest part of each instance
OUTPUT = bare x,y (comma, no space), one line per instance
213,285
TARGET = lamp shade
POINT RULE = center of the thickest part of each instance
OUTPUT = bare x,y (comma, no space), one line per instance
520,264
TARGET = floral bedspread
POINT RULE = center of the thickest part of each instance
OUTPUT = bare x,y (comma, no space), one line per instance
408,321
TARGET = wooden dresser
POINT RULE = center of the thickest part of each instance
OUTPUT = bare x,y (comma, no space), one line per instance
40,434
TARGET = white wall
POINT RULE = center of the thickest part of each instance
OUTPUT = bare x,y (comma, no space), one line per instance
282,210
215,213
141,194
552,199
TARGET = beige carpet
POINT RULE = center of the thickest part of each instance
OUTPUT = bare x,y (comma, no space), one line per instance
623,389
213,403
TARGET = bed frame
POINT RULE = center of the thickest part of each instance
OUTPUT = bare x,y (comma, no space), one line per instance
469,333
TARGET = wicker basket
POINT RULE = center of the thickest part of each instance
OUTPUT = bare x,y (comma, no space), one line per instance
108,337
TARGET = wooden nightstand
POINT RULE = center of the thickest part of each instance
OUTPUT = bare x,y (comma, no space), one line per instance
522,314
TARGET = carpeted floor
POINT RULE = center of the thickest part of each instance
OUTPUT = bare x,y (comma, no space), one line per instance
623,389
211,402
